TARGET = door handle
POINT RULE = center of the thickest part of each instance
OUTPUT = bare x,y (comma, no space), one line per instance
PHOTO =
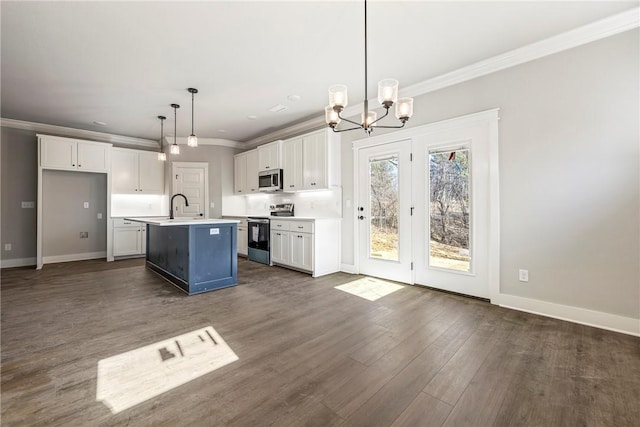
361,217
361,209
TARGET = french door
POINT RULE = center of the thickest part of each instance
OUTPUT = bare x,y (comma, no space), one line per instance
425,201
451,216
384,211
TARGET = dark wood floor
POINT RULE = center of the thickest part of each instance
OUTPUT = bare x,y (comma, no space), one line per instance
308,354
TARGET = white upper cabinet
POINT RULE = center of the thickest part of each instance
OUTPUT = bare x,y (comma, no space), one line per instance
311,161
136,172
292,165
151,173
245,172
315,159
269,156
73,154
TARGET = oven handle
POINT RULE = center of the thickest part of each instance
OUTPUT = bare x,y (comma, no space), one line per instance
260,221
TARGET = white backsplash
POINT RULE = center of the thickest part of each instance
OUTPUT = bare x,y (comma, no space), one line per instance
139,205
317,204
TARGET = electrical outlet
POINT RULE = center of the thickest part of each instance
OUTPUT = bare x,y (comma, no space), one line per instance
84,234
7,247
86,205
99,215
523,275
212,205
28,205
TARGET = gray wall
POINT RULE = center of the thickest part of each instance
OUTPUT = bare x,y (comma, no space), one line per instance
64,215
569,172
220,161
19,153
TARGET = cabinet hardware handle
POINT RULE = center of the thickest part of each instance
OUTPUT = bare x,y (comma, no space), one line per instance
291,185
73,164
79,165
300,227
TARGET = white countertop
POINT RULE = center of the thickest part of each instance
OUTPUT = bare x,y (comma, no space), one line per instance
285,218
165,221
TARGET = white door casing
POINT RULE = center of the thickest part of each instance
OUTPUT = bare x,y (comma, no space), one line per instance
480,132
192,180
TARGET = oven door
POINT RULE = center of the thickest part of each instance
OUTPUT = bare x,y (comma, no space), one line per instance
259,233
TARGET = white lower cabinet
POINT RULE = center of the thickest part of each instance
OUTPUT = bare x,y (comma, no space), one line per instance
243,234
129,238
243,237
307,245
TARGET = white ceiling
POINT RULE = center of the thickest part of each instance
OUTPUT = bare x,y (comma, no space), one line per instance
122,63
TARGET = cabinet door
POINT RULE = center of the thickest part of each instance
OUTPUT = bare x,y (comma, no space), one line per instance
269,156
127,241
124,171
93,157
292,165
280,247
302,251
315,161
143,239
251,178
239,173
59,154
150,172
242,240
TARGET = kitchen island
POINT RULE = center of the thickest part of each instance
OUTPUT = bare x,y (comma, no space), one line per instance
196,255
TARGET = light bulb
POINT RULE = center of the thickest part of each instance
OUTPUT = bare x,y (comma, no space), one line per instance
387,91
192,141
331,116
371,117
338,96
175,149
404,108
162,157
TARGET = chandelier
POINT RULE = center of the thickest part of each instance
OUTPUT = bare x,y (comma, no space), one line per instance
387,96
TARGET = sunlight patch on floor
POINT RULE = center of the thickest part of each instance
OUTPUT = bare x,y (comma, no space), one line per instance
133,377
369,288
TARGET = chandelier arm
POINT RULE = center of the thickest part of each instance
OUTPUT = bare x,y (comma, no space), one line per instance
345,130
350,121
379,118
391,127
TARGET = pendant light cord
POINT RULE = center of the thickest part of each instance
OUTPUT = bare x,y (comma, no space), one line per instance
175,124
192,93
161,135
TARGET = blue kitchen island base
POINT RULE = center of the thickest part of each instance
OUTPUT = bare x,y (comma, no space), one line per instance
197,257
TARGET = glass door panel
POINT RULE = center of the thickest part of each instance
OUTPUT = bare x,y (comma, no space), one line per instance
449,177
383,199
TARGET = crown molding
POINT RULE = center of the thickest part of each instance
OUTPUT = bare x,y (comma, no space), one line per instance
78,133
610,26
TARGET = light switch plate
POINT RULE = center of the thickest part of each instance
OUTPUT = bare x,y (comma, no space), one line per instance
86,205
99,215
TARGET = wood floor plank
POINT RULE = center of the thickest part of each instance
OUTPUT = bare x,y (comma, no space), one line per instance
425,410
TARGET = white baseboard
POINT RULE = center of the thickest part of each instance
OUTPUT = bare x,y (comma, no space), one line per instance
73,257
17,262
584,316
348,268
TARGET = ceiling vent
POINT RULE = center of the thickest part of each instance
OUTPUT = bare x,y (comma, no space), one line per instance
278,108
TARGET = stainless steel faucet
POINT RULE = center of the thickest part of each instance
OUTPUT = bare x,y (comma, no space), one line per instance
186,203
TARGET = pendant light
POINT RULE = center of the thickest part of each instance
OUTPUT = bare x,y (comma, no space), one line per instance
192,141
175,148
387,96
162,156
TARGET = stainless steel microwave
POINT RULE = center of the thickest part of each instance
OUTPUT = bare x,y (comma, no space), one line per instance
270,180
